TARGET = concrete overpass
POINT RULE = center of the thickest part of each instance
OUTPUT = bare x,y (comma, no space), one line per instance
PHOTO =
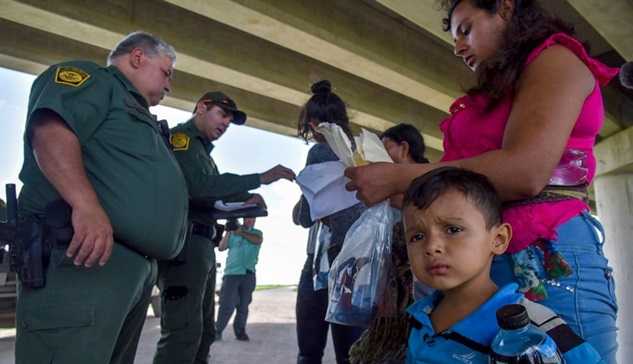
389,59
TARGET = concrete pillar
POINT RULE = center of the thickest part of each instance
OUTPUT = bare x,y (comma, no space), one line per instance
614,199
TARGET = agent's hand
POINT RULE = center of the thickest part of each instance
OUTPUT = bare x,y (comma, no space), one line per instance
374,182
258,200
92,240
275,174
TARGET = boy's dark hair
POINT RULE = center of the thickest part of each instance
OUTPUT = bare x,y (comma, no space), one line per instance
408,133
476,187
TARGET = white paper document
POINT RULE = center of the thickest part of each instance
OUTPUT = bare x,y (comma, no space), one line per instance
372,148
323,186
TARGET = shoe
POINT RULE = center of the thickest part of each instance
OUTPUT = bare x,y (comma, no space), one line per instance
242,337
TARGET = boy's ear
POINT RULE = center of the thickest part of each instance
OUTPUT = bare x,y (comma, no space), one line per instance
502,237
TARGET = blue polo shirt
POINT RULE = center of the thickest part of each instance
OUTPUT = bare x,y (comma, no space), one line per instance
243,254
469,340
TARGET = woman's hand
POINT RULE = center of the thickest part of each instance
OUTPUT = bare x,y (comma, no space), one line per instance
374,182
397,201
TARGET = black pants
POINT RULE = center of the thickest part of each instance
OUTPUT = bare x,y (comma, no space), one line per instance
311,325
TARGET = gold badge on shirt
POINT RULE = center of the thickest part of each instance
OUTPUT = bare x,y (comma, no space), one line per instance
71,76
180,141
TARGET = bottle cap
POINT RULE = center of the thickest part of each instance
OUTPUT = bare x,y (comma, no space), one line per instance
512,317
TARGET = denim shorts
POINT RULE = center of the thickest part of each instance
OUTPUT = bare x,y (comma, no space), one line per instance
585,299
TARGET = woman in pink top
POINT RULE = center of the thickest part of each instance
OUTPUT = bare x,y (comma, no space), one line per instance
529,125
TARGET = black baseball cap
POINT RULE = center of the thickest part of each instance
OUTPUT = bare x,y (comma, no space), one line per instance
220,99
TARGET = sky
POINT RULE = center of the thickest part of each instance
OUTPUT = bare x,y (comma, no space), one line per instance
242,150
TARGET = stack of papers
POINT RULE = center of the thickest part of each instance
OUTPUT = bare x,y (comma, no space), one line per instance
323,186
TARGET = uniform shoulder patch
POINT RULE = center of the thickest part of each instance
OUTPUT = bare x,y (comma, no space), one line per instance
71,76
179,141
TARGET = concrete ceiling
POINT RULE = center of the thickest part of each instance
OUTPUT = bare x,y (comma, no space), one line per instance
388,59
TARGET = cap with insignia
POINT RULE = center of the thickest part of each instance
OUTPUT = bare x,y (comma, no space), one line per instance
220,99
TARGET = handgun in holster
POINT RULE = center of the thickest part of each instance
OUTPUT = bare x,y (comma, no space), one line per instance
30,240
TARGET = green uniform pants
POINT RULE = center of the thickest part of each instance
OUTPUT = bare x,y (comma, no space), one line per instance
187,305
85,315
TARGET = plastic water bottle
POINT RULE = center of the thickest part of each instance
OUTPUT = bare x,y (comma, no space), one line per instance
519,342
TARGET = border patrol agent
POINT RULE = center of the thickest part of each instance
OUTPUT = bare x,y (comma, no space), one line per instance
91,141
469,340
187,284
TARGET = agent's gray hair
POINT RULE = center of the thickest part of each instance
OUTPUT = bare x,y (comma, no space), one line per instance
150,44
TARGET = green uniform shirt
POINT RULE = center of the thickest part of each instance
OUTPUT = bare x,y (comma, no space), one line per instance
242,253
205,183
133,172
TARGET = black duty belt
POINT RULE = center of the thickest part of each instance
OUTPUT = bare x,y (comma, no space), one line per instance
207,231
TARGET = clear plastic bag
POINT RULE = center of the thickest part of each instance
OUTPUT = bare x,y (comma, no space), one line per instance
321,264
358,274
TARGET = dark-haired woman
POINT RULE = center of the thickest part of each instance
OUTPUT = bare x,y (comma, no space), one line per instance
312,329
529,125
405,144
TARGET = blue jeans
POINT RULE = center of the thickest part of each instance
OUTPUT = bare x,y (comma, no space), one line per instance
585,299
311,325
236,294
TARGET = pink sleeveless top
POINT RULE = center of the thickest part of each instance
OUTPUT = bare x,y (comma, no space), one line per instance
470,131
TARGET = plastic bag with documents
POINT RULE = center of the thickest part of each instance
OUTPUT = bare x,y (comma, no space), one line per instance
321,263
323,184
359,273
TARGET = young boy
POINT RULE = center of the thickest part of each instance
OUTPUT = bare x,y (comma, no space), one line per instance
453,229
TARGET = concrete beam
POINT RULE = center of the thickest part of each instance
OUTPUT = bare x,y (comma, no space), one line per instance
18,54
614,155
423,13
210,50
612,19
23,65
346,36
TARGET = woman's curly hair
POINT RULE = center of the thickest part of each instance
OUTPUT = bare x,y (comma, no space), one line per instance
529,26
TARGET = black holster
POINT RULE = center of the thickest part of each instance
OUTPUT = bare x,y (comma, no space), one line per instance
35,240
32,257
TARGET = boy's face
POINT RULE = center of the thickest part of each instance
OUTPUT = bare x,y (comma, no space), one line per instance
449,245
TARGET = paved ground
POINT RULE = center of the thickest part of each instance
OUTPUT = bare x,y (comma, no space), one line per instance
271,327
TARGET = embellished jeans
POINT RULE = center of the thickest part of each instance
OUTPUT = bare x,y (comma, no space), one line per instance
585,299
